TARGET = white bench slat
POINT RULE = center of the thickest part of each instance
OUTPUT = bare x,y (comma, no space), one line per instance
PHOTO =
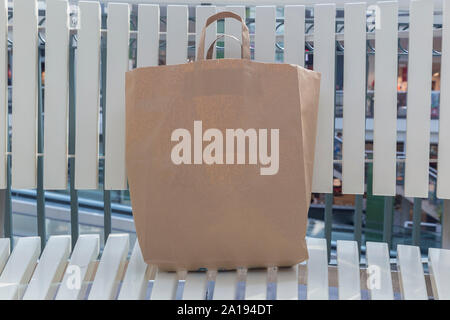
4,252
324,62
265,17
317,269
24,95
117,64
49,270
134,285
233,28
87,96
418,99
412,280
225,285
349,282
439,266
354,120
202,13
256,285
20,267
80,268
177,34
287,283
443,179
148,35
294,35
385,109
164,286
110,267
56,94
379,271
4,131
195,286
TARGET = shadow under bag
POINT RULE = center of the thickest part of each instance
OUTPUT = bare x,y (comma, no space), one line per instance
219,157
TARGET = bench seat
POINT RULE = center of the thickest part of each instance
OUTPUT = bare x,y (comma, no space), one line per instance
58,273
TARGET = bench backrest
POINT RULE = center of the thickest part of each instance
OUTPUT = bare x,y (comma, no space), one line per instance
82,78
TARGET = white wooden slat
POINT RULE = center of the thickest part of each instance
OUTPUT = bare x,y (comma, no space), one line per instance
164,286
443,179
294,35
439,266
420,62
412,280
225,285
87,96
148,35
195,286
354,140
201,15
379,271
4,252
56,94
117,65
19,268
256,285
3,92
385,108
287,283
50,269
80,268
349,283
265,18
134,285
110,267
24,91
324,62
177,34
233,28
317,269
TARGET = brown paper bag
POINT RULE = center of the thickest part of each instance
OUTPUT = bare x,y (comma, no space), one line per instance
219,155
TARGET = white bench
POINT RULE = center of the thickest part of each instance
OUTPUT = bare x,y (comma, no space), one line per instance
61,274
58,273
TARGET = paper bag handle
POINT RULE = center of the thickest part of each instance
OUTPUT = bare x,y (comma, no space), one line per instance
210,51
245,47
